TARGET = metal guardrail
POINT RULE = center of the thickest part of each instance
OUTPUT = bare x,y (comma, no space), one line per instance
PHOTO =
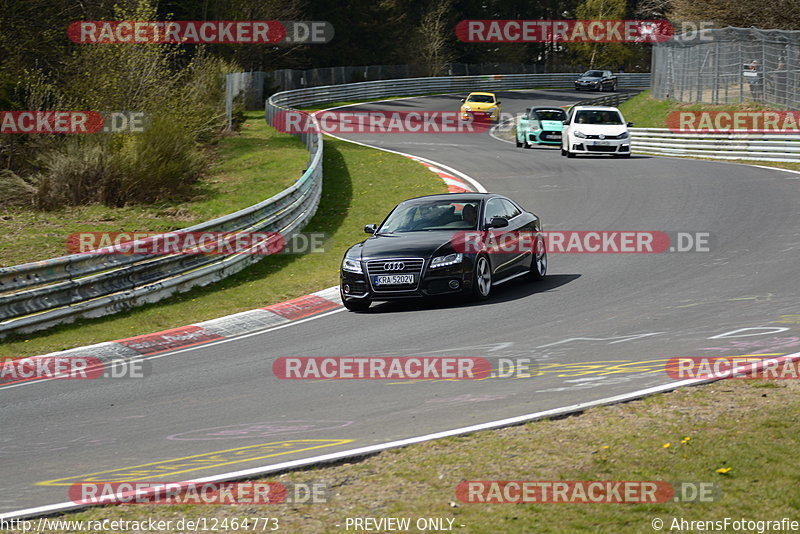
444,84
734,145
610,100
41,294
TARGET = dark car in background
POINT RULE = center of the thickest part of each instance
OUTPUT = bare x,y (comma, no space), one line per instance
441,245
596,80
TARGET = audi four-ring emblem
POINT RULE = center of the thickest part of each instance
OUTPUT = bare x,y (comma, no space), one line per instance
394,266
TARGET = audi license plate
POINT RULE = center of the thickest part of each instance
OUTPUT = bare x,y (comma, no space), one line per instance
604,143
394,279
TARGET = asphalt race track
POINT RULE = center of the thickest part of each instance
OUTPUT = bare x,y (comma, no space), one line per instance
600,325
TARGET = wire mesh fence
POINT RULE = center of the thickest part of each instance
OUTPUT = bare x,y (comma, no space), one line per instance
730,65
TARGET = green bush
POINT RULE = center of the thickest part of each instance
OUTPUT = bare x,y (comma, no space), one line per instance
181,96
78,172
14,191
162,163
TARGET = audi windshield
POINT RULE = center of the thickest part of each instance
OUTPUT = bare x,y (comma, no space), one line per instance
427,216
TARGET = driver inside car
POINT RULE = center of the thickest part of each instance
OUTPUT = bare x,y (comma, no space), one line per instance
470,215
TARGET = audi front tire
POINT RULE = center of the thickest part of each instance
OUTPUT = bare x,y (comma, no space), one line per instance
482,279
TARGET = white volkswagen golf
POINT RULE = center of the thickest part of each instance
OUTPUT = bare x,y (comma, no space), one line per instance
596,130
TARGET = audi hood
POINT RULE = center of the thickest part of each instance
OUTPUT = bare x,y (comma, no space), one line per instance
404,245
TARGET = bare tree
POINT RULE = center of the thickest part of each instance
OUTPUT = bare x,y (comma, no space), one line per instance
775,14
433,38
653,9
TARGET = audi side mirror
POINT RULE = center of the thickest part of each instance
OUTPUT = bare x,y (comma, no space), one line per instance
630,124
498,222
371,229
463,99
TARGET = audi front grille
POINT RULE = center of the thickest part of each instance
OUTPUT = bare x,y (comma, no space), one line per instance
396,266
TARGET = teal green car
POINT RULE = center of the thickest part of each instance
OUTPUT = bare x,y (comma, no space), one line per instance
541,126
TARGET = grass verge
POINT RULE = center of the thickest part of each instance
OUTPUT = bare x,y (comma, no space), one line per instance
360,186
249,167
688,435
648,112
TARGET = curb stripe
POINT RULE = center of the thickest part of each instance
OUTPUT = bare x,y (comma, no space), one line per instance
168,339
301,307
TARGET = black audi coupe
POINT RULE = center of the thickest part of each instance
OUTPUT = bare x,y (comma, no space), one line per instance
456,243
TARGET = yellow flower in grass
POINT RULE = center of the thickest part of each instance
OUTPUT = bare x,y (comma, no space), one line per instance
666,445
685,440
724,470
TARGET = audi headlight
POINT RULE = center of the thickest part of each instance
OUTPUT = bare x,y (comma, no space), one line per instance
623,135
491,110
444,261
579,134
352,266
466,108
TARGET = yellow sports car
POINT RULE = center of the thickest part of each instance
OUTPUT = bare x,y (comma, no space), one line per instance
481,106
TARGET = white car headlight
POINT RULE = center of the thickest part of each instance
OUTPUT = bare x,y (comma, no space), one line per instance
579,134
466,108
623,135
352,266
444,261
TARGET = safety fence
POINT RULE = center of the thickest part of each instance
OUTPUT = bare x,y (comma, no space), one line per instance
730,65
728,146
41,294
608,100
